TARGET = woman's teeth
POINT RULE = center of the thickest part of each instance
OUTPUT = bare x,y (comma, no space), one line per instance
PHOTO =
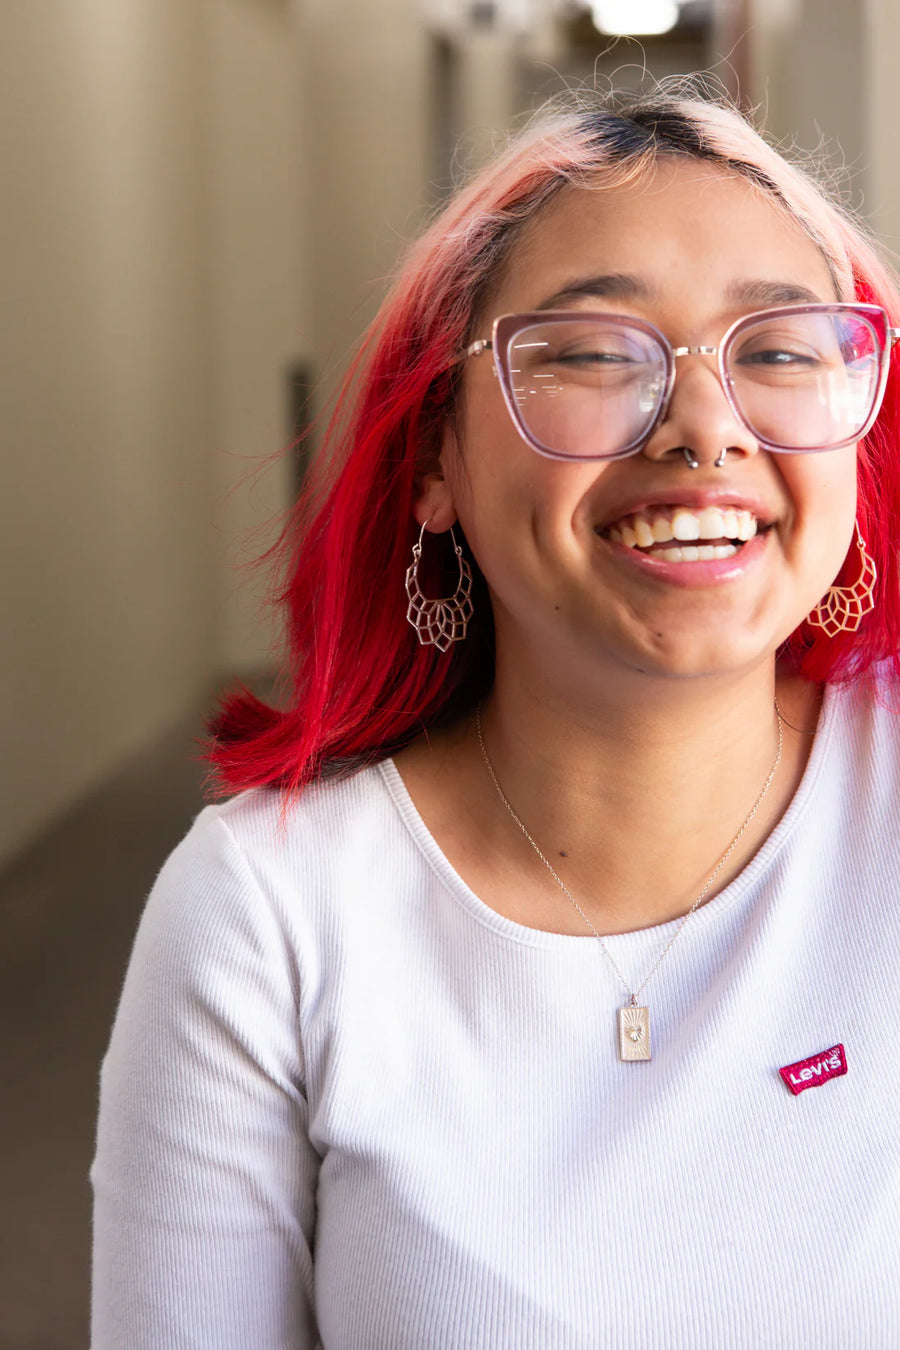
696,552
716,527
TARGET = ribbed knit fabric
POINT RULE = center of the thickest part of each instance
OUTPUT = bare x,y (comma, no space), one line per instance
344,1099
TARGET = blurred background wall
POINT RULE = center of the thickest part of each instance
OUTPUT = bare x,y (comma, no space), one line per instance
202,201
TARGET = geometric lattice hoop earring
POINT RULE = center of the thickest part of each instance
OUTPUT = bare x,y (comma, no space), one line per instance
439,622
841,610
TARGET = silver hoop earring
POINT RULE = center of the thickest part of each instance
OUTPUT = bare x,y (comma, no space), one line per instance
439,622
842,608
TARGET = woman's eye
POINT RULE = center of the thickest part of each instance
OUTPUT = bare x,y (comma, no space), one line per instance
779,357
592,356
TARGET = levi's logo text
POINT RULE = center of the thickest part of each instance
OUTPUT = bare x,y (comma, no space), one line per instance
812,1072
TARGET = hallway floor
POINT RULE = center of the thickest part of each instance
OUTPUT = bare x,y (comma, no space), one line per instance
70,907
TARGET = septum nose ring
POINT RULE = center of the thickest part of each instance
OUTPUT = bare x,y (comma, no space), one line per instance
694,463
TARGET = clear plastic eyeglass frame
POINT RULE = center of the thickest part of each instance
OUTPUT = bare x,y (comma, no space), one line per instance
506,327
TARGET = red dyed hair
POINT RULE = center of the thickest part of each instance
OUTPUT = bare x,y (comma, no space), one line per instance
360,684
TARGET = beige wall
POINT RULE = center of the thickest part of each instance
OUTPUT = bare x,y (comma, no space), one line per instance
107,576
369,143
258,252
196,194
830,71
809,77
881,83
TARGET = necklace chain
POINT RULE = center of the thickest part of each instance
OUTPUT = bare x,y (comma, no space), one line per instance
633,994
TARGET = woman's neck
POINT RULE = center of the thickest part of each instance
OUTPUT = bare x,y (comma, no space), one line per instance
633,801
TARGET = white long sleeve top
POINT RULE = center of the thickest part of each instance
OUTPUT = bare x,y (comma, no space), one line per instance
346,1101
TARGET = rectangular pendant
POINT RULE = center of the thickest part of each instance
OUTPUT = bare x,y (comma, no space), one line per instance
634,1033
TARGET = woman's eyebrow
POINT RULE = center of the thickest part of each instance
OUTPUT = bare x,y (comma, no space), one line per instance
612,285
624,285
771,293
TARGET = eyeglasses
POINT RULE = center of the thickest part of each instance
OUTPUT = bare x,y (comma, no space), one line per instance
595,386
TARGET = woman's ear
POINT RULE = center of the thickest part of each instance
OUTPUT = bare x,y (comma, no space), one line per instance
434,503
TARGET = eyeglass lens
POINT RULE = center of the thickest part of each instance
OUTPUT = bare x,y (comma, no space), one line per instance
592,388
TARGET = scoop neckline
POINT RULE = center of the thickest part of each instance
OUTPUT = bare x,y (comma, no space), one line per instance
708,913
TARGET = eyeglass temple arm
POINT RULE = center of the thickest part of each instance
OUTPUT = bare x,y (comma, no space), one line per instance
486,345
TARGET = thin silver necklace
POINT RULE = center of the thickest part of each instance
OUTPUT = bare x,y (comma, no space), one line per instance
633,1021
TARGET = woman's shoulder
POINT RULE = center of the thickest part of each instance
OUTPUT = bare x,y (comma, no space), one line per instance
343,802
860,728
265,834
260,882
266,856
868,705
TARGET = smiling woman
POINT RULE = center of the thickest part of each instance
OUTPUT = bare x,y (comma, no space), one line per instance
685,246
480,1016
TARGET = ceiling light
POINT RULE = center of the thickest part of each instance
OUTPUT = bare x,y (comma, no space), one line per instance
625,18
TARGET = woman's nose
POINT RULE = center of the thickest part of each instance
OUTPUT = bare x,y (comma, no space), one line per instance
699,423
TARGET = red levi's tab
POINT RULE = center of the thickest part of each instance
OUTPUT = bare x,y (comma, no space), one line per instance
812,1072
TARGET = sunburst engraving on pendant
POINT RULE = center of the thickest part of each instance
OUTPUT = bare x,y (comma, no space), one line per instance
634,1033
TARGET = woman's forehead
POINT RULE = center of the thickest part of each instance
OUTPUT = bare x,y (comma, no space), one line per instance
682,223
